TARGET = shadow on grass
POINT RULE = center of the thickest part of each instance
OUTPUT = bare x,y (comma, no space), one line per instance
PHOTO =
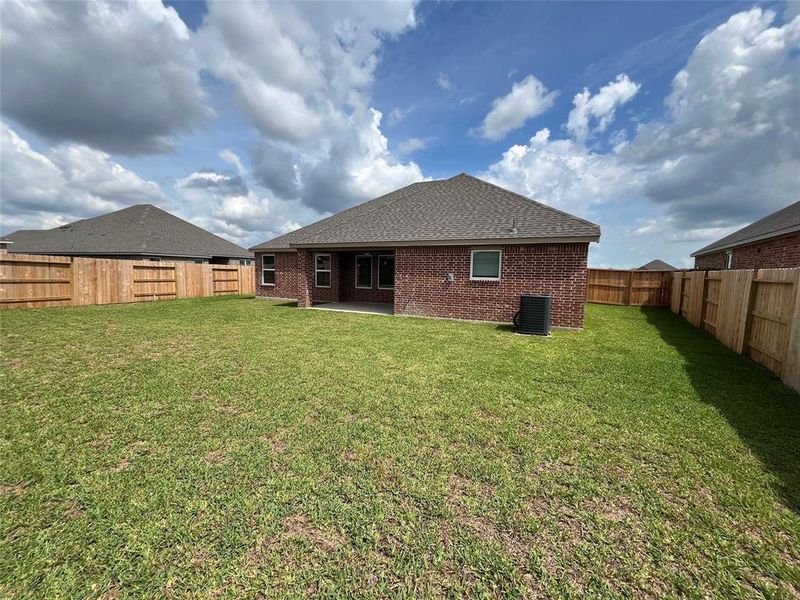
764,412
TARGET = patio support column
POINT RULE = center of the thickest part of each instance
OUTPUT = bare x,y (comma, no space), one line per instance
305,275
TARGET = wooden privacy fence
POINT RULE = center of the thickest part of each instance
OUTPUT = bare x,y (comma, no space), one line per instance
628,287
752,312
31,281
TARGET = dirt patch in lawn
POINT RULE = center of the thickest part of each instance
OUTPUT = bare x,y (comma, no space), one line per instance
300,526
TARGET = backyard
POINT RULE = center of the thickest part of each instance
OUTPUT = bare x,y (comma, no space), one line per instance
229,447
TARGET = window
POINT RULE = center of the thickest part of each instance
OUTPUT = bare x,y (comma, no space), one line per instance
729,259
323,271
485,265
268,269
386,272
364,271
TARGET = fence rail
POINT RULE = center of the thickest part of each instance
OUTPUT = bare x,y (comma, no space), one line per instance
33,281
751,312
628,287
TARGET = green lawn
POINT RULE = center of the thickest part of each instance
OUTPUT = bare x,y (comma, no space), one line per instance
237,448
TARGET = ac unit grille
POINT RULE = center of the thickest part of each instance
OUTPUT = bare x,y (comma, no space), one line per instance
534,314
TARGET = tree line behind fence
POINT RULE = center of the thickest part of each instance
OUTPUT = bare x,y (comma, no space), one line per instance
33,281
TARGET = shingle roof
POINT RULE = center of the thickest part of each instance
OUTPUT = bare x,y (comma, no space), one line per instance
137,230
462,208
656,265
786,220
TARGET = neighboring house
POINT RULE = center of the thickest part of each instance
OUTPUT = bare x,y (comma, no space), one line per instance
771,242
141,232
656,265
457,248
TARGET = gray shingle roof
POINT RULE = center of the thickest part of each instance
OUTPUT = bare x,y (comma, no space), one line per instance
460,209
137,230
656,265
786,220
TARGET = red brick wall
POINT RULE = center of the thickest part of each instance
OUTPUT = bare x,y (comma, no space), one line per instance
710,262
421,286
782,252
347,280
776,253
285,276
330,294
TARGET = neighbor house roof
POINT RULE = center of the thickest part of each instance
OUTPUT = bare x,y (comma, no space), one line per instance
460,209
656,265
782,222
137,230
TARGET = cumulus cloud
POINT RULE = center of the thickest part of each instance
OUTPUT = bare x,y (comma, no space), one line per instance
726,152
68,182
563,173
115,76
307,92
228,205
600,107
527,99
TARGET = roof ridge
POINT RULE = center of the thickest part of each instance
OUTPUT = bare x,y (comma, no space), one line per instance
147,232
537,202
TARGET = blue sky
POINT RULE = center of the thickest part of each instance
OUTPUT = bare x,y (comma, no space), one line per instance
650,119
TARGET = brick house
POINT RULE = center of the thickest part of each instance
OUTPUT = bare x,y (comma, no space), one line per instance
771,242
456,248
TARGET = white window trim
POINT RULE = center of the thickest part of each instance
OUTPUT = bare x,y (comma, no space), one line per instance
380,256
499,264
363,287
729,259
272,269
316,270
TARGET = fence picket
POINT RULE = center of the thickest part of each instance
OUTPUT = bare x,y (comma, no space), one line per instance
32,281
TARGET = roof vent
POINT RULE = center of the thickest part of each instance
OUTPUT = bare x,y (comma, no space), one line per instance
513,229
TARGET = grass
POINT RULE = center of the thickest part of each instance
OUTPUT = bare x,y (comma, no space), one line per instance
238,448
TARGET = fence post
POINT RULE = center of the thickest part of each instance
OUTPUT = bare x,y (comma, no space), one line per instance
630,288
791,363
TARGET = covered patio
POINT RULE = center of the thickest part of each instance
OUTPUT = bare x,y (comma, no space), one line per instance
353,280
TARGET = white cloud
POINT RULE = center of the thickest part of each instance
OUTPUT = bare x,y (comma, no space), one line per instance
307,92
224,204
69,182
396,115
599,108
563,173
527,99
121,77
412,144
230,157
726,153
443,81
729,148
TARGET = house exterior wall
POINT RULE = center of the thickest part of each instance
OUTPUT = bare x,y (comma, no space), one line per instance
421,286
775,253
285,276
422,289
710,262
348,292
